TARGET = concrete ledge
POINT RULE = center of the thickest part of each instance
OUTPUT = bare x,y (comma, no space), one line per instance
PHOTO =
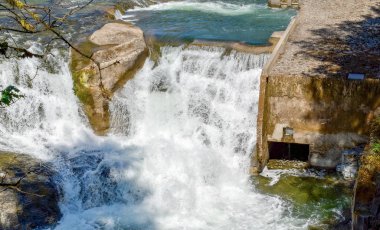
280,47
283,3
277,51
243,47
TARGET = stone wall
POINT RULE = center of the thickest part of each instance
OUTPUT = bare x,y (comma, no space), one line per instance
326,113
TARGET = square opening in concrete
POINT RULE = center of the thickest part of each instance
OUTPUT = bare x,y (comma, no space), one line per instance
288,151
356,76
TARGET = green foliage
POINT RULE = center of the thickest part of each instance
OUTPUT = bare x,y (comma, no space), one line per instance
9,95
376,147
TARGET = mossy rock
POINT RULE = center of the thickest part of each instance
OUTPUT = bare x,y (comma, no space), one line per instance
29,197
117,52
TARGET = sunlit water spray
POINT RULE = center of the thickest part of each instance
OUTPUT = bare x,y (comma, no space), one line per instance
178,154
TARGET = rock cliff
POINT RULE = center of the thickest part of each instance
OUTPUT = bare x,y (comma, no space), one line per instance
366,204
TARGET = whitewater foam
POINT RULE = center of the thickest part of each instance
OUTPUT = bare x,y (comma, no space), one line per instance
178,154
222,8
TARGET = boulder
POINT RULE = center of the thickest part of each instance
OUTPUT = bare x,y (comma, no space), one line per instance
119,50
328,159
28,195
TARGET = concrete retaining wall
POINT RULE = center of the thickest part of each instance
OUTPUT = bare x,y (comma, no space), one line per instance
329,114
278,50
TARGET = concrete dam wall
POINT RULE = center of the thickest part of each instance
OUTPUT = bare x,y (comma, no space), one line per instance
308,108
326,114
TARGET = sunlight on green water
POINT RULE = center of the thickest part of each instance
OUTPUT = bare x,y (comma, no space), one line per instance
322,199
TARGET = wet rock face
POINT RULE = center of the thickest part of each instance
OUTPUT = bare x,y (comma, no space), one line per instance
28,195
366,201
366,209
120,50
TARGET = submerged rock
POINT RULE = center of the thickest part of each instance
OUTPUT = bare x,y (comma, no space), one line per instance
28,195
120,50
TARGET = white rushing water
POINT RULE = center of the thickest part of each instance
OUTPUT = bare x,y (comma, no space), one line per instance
178,154
223,8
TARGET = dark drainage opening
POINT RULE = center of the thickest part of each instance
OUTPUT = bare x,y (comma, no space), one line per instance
288,151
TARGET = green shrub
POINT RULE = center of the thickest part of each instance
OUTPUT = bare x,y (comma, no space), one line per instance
376,147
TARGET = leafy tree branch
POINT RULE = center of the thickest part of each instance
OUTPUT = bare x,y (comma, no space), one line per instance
36,19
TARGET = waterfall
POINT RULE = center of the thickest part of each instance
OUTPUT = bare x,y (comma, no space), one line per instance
178,154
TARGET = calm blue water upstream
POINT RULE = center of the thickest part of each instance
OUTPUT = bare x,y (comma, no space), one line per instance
250,22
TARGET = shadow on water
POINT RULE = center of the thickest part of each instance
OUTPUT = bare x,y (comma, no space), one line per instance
107,187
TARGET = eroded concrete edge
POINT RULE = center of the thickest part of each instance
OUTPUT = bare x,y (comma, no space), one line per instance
256,165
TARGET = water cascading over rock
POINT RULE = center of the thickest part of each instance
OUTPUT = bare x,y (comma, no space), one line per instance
178,151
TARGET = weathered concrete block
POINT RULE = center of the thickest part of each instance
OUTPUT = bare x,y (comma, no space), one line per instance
329,114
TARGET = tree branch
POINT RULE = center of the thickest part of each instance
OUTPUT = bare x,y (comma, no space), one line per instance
34,19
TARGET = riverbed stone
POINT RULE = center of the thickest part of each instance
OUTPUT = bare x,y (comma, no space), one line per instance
28,195
119,49
329,159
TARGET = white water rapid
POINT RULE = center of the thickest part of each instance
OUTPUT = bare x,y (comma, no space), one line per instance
218,7
178,153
